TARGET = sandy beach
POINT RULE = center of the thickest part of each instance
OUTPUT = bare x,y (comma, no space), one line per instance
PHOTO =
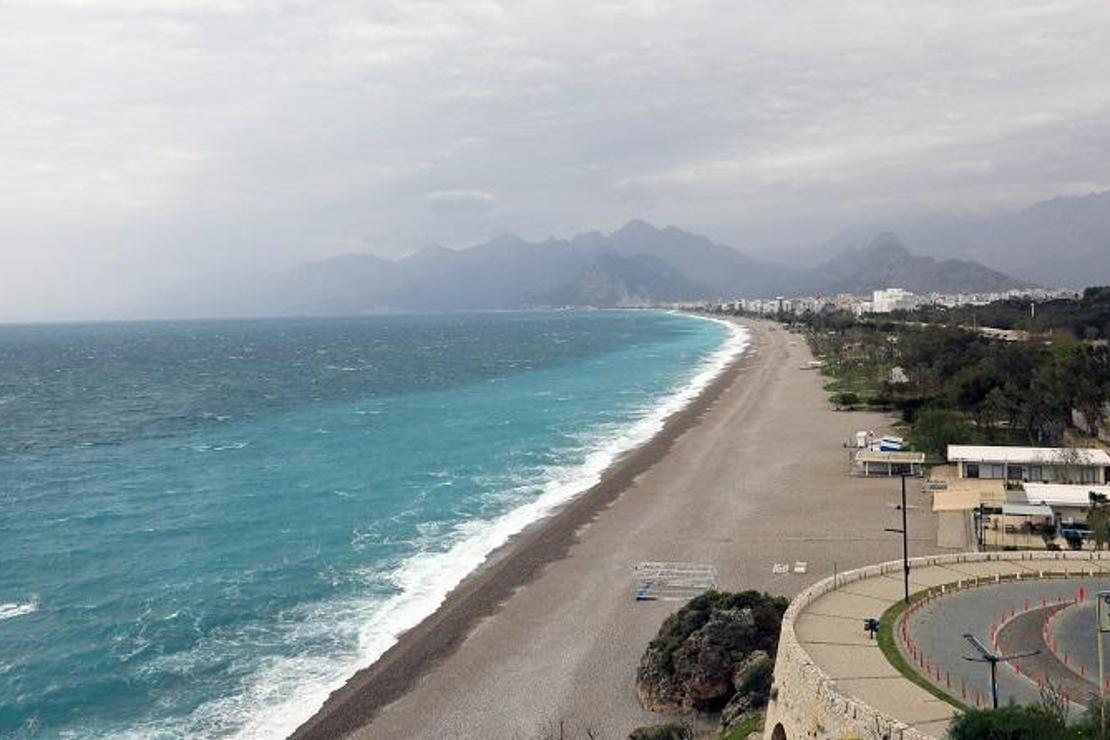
751,474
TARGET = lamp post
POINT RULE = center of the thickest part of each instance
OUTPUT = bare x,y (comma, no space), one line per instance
904,531
986,656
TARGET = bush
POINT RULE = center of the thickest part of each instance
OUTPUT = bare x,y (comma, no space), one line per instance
669,731
745,726
845,400
1033,722
756,681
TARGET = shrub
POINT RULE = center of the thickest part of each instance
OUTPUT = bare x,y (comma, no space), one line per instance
669,731
1013,722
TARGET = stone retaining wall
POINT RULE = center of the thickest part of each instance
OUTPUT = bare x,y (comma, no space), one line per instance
806,702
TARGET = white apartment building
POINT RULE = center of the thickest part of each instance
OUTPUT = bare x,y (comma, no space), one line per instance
892,299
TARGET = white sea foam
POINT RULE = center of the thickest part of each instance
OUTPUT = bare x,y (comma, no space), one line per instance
13,610
289,691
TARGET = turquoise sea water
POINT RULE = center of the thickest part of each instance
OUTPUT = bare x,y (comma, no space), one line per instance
207,526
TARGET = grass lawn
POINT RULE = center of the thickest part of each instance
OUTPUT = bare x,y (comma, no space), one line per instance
865,384
887,644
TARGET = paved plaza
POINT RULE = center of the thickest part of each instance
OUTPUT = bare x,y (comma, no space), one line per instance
830,627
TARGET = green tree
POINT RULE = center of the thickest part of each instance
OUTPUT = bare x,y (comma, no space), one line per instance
935,429
1098,519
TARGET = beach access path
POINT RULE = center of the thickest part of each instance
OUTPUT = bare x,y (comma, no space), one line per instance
752,474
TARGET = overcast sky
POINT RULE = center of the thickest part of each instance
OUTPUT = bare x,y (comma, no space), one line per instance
144,143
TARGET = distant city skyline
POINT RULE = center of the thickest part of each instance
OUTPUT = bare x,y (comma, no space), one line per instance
150,145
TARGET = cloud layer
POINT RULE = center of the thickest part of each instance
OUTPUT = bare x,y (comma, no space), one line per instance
149,143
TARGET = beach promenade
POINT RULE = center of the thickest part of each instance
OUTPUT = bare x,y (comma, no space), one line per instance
834,680
751,476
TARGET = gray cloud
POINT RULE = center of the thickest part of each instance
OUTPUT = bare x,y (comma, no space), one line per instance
460,202
148,142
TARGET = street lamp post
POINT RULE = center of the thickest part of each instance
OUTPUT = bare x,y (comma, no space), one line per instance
904,531
986,656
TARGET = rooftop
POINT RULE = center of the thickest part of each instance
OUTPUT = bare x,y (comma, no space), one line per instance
1029,455
1027,510
968,493
1062,494
876,456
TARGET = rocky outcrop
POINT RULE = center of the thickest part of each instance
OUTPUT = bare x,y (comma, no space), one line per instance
662,732
713,653
752,683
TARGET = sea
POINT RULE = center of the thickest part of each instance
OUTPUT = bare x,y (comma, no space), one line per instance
207,526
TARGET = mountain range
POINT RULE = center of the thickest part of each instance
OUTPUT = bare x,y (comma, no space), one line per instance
636,265
1062,242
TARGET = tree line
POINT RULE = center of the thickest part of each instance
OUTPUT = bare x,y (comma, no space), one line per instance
956,386
1087,317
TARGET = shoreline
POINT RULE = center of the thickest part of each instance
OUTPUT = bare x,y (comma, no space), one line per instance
510,567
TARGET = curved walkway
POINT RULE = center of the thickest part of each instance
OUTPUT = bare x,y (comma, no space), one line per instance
832,680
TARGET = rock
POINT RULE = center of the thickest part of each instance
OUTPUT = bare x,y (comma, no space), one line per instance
668,731
708,649
751,681
754,675
738,706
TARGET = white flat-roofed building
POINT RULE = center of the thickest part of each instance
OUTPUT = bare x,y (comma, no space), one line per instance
892,299
888,463
1031,464
1070,502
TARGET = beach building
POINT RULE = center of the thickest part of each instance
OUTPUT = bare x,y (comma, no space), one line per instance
871,463
1012,514
1031,464
1069,503
958,501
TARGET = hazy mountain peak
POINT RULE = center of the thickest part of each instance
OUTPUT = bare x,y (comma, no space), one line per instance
637,227
888,242
506,240
887,263
430,252
588,240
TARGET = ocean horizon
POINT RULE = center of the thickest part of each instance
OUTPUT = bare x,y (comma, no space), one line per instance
210,525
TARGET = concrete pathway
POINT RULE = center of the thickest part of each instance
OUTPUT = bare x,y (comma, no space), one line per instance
830,629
